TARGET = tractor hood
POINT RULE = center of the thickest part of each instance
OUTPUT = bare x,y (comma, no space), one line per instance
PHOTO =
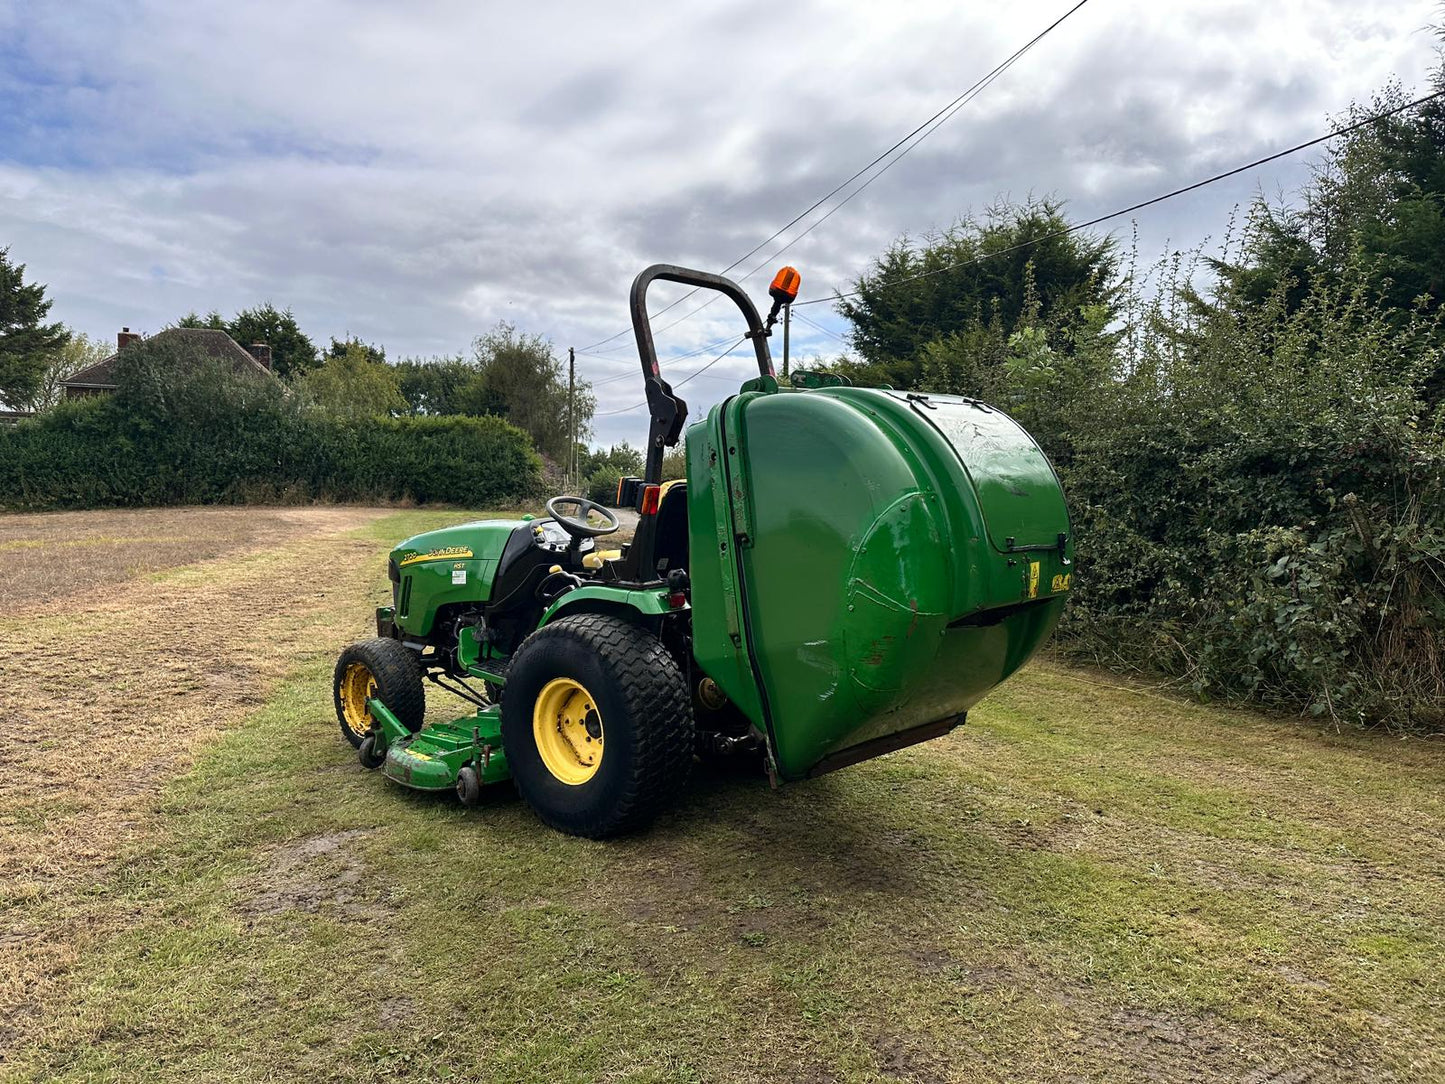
482,540
453,564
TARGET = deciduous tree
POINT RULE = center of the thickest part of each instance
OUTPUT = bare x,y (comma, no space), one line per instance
432,385
75,354
353,386
519,379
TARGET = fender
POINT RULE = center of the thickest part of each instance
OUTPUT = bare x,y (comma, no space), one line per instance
648,602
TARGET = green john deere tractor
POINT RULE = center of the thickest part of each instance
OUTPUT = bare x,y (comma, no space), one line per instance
845,571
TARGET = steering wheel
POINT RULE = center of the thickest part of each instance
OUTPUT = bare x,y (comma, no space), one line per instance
577,527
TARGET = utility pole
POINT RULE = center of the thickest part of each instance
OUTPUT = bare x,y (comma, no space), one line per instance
787,320
571,418
783,291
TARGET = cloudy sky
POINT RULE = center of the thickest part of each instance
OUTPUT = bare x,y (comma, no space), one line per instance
413,173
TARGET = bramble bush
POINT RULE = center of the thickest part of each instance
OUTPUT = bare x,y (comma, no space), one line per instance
190,430
1256,472
1259,503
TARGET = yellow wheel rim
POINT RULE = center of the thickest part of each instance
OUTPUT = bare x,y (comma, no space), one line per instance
358,685
567,728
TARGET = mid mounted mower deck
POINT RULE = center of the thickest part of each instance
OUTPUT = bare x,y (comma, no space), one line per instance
457,755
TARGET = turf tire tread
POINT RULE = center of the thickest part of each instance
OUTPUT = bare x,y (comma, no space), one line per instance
398,680
657,701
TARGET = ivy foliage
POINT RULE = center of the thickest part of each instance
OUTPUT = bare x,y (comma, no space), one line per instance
1259,500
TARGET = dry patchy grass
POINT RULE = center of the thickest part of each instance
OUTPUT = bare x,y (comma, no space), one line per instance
1087,883
49,555
107,694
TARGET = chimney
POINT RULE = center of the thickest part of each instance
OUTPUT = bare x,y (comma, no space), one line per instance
125,338
262,353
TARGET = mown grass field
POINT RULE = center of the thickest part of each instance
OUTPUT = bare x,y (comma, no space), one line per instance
1089,882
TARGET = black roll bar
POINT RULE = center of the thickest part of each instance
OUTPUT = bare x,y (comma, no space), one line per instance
668,410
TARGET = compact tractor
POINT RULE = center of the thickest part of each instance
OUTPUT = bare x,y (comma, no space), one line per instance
844,571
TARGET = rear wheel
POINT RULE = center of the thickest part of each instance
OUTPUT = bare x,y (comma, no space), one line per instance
597,725
382,669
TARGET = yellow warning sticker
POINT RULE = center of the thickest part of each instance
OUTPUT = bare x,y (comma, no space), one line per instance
1033,579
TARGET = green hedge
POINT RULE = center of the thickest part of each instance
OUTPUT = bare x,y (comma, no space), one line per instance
1257,489
181,431
1259,503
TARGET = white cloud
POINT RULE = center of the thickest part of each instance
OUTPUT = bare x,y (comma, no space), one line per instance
412,173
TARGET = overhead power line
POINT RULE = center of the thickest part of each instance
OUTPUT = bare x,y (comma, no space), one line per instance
1344,130
601,357
638,406
819,327
632,362
926,128
613,379
741,339
929,129
1141,205
1276,156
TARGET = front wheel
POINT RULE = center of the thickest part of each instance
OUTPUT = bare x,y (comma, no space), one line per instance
383,669
597,724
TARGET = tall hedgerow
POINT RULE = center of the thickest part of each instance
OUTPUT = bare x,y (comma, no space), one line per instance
186,429
1260,504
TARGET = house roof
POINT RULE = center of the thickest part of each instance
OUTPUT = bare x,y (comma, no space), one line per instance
211,342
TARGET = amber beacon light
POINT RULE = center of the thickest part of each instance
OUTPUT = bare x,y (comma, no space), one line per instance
784,289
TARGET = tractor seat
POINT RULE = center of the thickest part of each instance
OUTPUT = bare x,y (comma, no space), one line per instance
597,558
670,544
660,544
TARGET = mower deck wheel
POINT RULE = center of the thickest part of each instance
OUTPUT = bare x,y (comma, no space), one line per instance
383,669
371,757
469,787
